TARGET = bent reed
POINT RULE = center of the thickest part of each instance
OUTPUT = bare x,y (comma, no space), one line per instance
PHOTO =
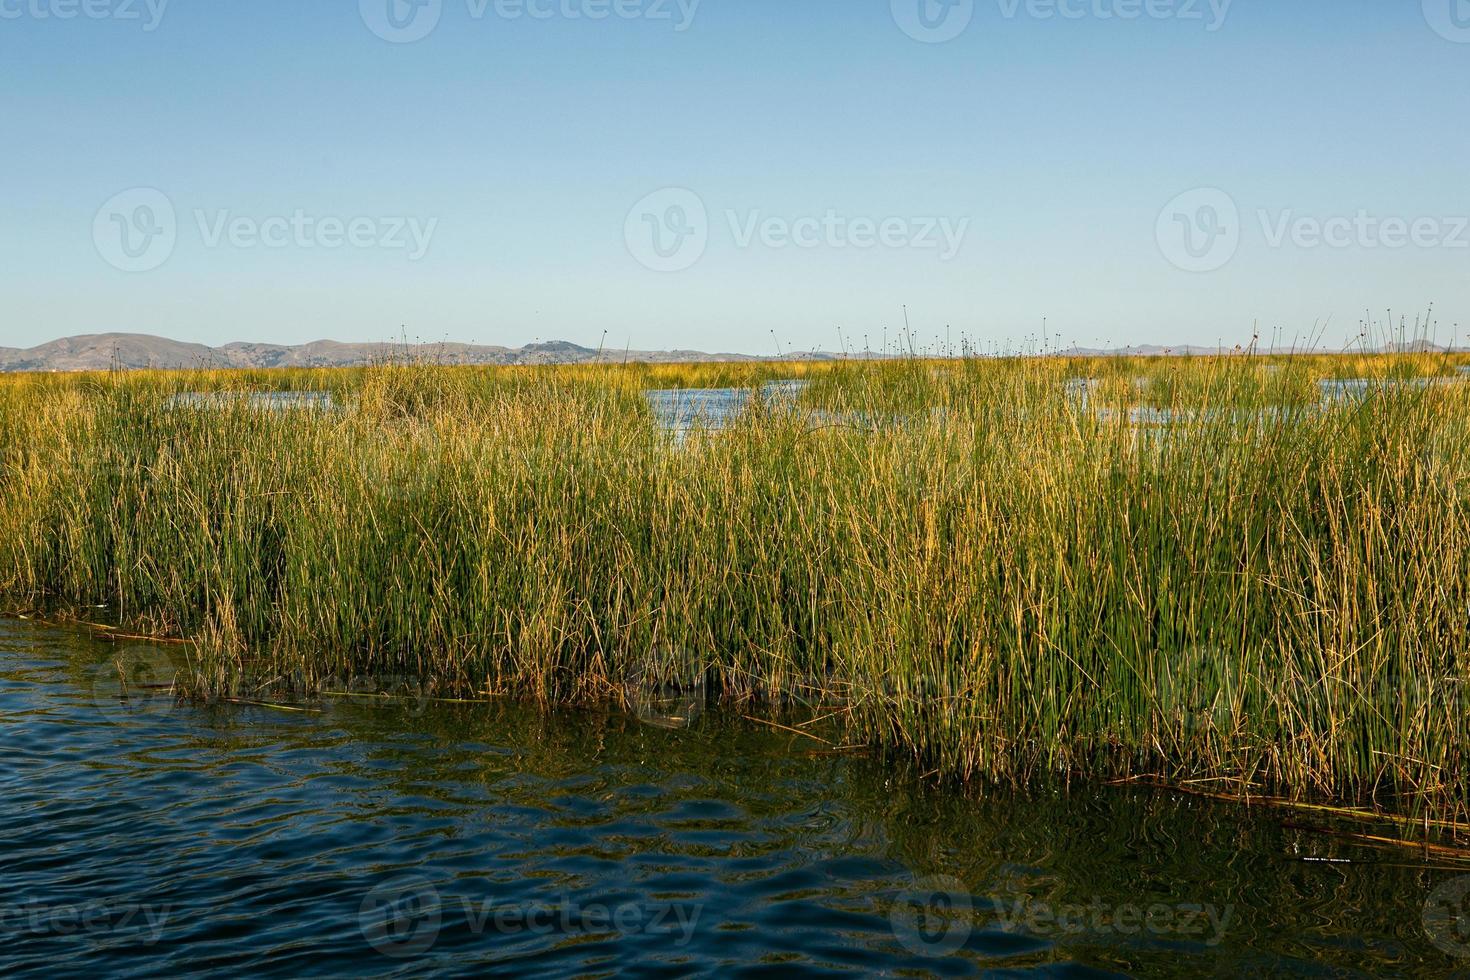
992,566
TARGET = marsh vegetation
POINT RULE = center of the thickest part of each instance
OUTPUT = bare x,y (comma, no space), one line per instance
1258,588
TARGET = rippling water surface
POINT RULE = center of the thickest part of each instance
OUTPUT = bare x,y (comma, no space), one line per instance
398,837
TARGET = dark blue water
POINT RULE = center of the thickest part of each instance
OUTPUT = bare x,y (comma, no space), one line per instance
401,837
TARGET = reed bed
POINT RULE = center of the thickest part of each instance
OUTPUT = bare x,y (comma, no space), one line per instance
957,561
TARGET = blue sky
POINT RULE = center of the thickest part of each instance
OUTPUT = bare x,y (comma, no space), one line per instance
1136,171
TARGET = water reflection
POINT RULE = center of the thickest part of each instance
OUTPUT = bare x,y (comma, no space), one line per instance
393,835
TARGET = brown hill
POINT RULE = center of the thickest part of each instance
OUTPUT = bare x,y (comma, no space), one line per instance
101,352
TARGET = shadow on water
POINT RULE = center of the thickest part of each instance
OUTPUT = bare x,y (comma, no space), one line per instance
401,836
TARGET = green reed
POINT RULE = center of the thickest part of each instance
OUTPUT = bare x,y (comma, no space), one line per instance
964,562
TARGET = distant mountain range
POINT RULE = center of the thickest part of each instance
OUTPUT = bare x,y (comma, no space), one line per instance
1189,350
128,351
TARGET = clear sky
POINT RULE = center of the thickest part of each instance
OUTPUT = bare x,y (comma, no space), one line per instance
731,174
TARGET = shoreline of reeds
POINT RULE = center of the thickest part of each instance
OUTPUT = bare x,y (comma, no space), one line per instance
985,575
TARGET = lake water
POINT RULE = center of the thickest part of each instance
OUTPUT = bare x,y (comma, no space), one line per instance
683,409
1080,392
678,410
143,837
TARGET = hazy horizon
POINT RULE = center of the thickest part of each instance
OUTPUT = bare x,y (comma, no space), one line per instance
740,178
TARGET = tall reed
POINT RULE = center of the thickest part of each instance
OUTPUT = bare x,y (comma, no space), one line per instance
967,562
